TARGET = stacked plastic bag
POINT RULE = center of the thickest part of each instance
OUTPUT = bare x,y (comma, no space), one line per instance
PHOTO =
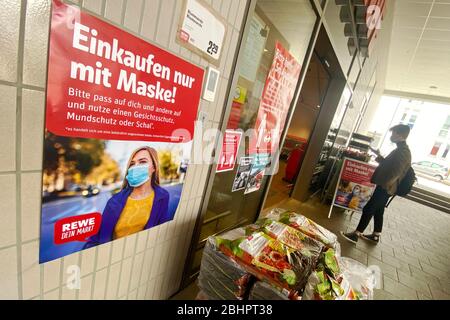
267,259
282,256
339,278
361,278
220,277
327,281
306,226
262,290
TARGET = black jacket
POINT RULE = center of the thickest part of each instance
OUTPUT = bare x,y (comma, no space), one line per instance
392,168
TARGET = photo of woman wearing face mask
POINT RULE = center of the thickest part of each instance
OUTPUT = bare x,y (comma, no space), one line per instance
140,204
355,197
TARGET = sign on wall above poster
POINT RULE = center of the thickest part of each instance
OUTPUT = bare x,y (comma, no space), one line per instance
202,30
119,125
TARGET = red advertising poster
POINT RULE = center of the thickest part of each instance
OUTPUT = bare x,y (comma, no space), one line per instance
230,148
108,84
354,188
275,102
235,115
118,134
234,119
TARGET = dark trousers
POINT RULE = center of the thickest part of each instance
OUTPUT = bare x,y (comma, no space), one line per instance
374,208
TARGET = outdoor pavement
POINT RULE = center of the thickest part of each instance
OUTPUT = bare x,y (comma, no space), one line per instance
413,253
440,187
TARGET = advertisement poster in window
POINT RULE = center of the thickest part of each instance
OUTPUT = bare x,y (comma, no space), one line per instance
237,107
242,174
260,162
119,125
354,187
228,154
275,101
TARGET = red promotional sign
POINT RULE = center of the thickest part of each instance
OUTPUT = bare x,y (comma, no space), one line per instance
105,83
120,116
358,172
229,152
275,102
77,228
235,115
354,187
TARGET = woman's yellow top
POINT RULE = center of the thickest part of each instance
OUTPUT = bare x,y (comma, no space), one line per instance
134,216
354,203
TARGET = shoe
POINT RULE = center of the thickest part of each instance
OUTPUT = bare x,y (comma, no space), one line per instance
351,236
371,237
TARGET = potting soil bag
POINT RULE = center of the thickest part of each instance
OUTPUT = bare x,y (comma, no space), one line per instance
308,247
262,290
221,278
267,259
306,226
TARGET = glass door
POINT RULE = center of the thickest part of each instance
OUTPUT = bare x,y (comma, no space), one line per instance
270,64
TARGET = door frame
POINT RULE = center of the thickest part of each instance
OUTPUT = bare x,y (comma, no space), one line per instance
187,277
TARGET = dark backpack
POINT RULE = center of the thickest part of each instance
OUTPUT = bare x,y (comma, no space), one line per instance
405,186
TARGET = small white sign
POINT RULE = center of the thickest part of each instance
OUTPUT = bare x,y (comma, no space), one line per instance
202,29
210,85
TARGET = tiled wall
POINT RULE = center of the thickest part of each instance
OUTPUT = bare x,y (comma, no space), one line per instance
147,265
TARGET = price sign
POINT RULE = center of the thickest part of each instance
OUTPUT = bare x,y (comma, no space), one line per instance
202,30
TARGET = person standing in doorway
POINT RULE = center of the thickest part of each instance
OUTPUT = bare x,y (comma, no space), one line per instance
386,177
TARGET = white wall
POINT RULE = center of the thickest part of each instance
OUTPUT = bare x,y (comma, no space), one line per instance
146,265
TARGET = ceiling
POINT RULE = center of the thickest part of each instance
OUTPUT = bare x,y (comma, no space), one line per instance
419,53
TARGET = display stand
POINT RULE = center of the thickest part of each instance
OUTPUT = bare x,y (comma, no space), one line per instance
357,174
335,191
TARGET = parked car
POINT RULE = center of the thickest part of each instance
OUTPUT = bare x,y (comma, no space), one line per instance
432,169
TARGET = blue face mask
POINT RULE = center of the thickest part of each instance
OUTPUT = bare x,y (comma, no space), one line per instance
138,175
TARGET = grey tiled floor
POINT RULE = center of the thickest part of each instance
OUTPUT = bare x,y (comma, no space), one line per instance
413,253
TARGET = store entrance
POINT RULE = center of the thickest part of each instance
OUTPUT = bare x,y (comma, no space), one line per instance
271,60
323,69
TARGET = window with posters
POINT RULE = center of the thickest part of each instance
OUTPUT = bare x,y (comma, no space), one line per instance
271,59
